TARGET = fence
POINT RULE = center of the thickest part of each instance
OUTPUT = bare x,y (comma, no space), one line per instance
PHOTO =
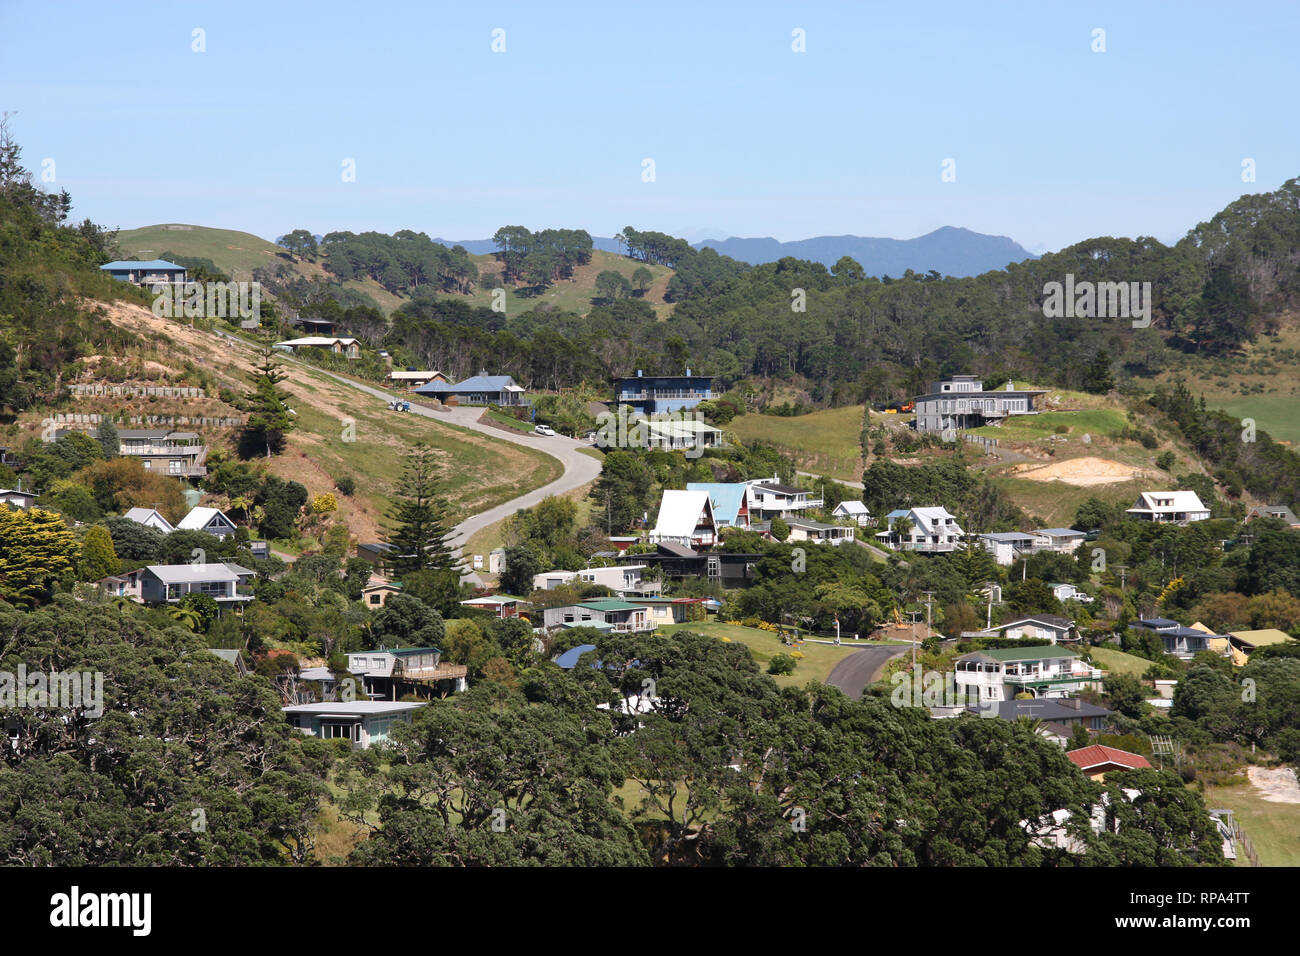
65,419
1239,835
137,391
988,443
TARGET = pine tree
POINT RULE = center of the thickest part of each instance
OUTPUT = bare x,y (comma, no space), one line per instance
98,557
36,550
108,439
269,419
418,517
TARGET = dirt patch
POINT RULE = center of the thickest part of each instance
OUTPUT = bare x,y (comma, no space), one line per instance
1275,786
1084,472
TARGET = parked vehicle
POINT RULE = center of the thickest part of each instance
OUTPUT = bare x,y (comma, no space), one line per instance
544,430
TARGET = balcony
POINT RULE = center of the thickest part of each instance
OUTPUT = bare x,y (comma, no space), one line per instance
1053,676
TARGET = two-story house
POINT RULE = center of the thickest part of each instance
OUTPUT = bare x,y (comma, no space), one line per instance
769,499
685,518
961,402
609,614
818,532
730,500
662,393
392,671
1182,642
997,675
165,451
1060,540
1178,507
1007,546
922,529
624,580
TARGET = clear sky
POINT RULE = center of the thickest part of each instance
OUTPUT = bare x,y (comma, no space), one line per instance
1052,142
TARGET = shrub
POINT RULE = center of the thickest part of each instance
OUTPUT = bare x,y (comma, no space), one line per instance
324,504
782,664
346,485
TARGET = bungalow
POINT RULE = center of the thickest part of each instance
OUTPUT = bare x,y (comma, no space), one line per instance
501,605
146,274
855,511
624,580
679,435
377,593
1000,674
208,520
393,671
21,500
663,610
150,518
1245,643
1006,546
1061,540
225,583
1276,512
1098,760
620,617
685,518
1179,507
366,723
1044,627
730,500
1070,592
770,499
480,389
1182,642
804,529
347,347
412,378
927,529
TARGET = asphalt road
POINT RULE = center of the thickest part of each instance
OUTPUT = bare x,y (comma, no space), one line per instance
855,672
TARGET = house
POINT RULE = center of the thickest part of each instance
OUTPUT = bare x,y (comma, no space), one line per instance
624,580
232,657
225,583
1276,512
685,518
347,347
393,671
1245,643
1068,712
480,389
16,498
259,549
927,529
1000,674
162,450
620,617
569,659
1043,627
1061,540
677,561
208,520
680,435
770,499
377,593
1098,760
376,552
804,529
411,378
314,325
961,403
501,605
663,393
146,274
664,610
1182,642
366,723
854,511
730,500
1006,546
1179,507
150,518
1070,592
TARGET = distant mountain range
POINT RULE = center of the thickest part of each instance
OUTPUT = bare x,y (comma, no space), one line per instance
950,250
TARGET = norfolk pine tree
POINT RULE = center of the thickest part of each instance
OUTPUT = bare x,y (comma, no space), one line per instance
418,517
269,419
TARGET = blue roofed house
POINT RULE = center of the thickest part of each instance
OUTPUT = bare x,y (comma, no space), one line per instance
730,501
146,274
1182,642
480,389
663,393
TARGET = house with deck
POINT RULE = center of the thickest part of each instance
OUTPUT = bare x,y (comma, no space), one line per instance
146,274
769,498
480,389
226,583
624,580
1044,671
1182,642
211,521
1060,540
1176,507
364,723
662,393
932,530
961,402
817,532
608,614
395,671
731,569
1007,546
685,518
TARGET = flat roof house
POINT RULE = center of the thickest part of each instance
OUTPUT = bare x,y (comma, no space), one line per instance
1000,674
685,518
480,389
1006,546
804,529
1061,540
929,530
619,617
147,274
225,583
623,580
413,378
768,499
393,671
961,402
502,605
1178,507
366,723
731,569
662,393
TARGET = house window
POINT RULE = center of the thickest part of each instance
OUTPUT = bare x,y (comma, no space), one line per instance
175,467
374,599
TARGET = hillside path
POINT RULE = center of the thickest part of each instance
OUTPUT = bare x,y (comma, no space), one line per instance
855,672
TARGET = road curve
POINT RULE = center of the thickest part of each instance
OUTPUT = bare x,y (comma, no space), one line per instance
855,672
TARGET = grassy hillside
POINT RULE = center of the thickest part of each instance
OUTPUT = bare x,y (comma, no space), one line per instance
824,442
571,295
237,253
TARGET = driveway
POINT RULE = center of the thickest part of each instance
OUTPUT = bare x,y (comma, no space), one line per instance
855,672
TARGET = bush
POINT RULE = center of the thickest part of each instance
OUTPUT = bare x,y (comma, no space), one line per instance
346,485
782,664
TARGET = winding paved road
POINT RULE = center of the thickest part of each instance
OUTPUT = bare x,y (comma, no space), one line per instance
855,672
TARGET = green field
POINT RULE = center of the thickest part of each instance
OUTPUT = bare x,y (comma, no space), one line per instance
1275,414
237,253
570,295
824,442
1093,421
818,661
1273,828
1117,662
1055,502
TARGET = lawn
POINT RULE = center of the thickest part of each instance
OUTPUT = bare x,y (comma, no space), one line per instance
1093,421
824,442
1273,828
1055,502
818,661
1274,414
1117,662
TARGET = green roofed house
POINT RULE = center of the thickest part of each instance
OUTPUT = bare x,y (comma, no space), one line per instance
619,617
1044,671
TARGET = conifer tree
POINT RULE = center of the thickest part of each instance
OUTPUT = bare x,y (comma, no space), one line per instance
269,419
418,517
98,557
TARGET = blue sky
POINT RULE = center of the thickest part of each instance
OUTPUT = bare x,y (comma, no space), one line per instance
1052,142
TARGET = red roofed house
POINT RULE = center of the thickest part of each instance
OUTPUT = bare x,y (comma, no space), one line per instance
1098,760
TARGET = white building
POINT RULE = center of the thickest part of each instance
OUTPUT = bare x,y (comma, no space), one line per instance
211,521
804,529
854,511
1179,507
366,723
1069,592
998,675
1006,546
686,518
150,518
1062,540
768,499
623,580
927,529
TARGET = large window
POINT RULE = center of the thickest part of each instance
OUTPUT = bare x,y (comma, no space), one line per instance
335,730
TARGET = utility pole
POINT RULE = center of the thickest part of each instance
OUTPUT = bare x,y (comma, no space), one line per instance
929,612
1122,569
913,616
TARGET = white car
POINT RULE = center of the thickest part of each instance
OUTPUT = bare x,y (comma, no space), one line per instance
544,430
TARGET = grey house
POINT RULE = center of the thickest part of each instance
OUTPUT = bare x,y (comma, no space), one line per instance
481,389
961,402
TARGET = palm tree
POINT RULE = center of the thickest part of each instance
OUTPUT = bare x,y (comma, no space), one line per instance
187,616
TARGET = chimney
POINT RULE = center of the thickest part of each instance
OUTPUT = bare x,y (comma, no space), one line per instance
1071,702
1011,386
688,371
638,373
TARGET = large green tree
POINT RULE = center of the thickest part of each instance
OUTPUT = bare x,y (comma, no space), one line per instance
269,418
418,517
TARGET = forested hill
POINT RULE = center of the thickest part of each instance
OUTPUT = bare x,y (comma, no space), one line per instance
949,251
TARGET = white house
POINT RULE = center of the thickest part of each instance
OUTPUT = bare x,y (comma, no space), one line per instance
804,529
623,579
366,723
208,520
854,511
928,529
1048,627
225,583
1062,540
686,518
1042,671
150,518
22,500
1179,507
1006,546
348,347
1069,592
768,498
606,614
